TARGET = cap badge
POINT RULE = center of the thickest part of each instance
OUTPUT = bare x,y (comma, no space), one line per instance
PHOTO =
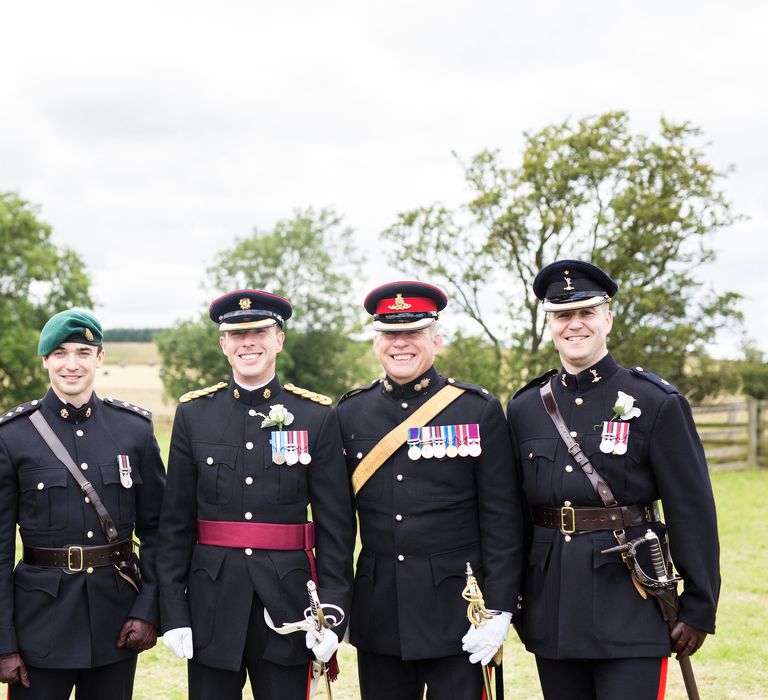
568,287
399,304
88,335
245,303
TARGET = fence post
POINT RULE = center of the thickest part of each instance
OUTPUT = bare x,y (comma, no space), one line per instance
753,432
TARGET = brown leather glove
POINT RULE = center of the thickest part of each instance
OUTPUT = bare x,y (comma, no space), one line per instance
13,670
137,634
686,640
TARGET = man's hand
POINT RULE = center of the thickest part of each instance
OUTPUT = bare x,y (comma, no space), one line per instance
482,643
137,634
179,641
686,640
324,647
13,670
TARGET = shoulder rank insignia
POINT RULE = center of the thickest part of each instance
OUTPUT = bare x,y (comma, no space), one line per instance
322,399
538,381
20,410
471,387
654,379
198,393
360,389
138,410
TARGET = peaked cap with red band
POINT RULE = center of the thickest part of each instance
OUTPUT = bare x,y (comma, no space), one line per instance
404,306
249,308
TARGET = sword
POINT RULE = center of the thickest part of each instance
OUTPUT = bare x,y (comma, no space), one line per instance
478,615
663,588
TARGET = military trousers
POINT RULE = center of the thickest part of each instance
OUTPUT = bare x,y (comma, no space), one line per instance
113,681
603,679
390,678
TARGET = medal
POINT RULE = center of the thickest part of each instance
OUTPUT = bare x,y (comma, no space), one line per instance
622,437
277,440
608,437
291,448
463,448
451,449
474,440
125,471
304,456
414,452
438,440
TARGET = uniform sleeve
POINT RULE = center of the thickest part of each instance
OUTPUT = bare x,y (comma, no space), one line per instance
149,499
178,529
500,512
332,513
8,511
680,468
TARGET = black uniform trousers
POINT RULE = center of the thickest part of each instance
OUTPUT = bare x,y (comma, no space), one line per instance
112,682
269,681
603,679
390,678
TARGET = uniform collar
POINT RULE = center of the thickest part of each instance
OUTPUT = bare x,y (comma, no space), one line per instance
418,387
257,396
589,378
67,412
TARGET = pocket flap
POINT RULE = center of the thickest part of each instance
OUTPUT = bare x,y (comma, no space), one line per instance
42,479
211,453
537,448
598,558
285,562
539,553
208,559
110,473
454,563
38,578
366,566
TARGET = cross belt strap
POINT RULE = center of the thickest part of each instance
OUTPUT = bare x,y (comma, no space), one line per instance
396,437
574,449
46,432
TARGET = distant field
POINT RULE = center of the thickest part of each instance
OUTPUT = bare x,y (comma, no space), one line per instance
131,353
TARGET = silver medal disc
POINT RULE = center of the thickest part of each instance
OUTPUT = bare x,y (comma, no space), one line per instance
463,450
414,452
606,446
620,449
291,458
427,452
475,449
305,458
439,451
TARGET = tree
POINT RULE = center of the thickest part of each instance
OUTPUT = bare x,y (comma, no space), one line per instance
37,279
309,259
643,208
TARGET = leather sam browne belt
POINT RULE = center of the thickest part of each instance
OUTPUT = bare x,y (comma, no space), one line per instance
568,519
76,558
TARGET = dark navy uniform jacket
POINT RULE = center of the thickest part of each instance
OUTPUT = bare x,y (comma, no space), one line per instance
579,603
56,619
422,521
220,468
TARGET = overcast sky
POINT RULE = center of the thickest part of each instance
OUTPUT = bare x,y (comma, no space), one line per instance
152,134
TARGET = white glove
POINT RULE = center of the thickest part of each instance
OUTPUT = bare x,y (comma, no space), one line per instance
179,641
481,643
324,647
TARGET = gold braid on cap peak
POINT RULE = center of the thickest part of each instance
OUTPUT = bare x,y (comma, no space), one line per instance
197,393
322,399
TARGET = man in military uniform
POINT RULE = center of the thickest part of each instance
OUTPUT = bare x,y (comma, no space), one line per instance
594,635
70,617
427,506
246,460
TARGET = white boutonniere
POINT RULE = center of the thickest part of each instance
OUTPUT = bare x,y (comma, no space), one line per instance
279,415
624,408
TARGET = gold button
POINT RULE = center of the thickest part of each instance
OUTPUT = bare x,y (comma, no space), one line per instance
89,570
404,404
400,557
252,412
398,517
399,477
209,460
567,538
248,515
84,466
248,445
249,480
79,433
40,486
89,534
569,468
579,401
249,551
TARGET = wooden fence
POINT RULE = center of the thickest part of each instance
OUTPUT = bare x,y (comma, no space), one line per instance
735,435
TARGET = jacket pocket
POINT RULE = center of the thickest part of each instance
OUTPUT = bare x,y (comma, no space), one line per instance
35,607
43,501
537,457
356,451
119,500
203,591
215,471
534,603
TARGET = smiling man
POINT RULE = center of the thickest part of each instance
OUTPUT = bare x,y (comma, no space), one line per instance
72,614
596,635
246,460
430,463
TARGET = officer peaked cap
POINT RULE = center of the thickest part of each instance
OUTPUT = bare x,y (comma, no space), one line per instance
565,285
249,308
404,306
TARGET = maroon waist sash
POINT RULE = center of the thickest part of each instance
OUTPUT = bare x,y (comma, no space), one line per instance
281,536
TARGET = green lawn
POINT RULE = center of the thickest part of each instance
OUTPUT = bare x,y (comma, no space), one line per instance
732,664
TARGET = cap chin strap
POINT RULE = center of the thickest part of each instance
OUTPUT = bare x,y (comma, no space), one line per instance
588,303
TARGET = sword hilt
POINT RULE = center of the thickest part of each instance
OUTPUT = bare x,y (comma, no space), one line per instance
657,557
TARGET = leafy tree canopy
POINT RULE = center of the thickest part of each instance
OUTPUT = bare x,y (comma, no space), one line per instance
37,279
643,208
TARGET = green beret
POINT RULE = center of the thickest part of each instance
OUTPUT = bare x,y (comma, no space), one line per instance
72,326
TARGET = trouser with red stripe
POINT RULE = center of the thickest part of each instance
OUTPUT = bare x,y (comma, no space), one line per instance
603,679
390,678
269,681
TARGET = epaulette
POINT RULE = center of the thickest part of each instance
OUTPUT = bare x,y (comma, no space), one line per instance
538,381
654,379
471,387
207,391
360,389
322,399
138,410
20,410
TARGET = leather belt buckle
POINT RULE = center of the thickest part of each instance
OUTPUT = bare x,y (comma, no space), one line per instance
566,513
78,551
